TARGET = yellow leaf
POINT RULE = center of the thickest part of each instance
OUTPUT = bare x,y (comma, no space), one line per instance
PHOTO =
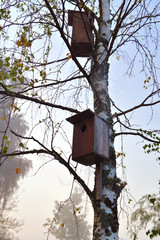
3,118
24,40
62,224
118,154
69,57
118,57
20,64
29,44
19,44
44,75
18,170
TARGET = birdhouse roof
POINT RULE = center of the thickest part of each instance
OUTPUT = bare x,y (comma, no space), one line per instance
81,116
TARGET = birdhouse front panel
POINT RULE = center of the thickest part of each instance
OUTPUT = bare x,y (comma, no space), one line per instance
82,37
83,139
90,138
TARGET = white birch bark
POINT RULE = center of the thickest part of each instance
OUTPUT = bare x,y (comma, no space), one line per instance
104,30
106,219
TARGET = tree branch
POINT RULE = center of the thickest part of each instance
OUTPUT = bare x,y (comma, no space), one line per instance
137,134
52,84
142,104
35,100
56,156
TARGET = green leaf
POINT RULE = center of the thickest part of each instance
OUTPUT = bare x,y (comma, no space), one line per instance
5,150
21,145
5,137
152,200
135,237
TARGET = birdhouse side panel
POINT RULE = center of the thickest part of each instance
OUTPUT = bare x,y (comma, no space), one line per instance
83,139
82,39
82,31
101,137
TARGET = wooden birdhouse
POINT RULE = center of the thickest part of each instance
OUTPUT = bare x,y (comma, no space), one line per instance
82,38
90,138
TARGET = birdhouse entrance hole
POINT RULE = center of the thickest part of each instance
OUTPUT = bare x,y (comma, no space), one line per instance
83,128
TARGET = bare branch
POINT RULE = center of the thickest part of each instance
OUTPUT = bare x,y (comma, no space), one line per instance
35,100
58,157
137,134
142,104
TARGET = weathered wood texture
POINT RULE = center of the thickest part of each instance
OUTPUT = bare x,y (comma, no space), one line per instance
82,38
90,138
98,181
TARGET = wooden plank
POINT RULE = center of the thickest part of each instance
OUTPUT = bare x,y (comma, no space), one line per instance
82,38
98,179
83,139
101,138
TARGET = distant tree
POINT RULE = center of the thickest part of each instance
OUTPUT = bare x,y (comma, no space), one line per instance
9,225
147,216
69,221
12,169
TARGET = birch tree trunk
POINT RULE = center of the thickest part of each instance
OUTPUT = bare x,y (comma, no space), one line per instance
105,210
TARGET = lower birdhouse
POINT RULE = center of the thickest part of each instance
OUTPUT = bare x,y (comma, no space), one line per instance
82,38
90,138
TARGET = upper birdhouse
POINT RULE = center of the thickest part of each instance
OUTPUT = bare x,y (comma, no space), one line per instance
82,38
90,138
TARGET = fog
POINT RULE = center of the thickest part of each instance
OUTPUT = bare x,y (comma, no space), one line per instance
12,169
